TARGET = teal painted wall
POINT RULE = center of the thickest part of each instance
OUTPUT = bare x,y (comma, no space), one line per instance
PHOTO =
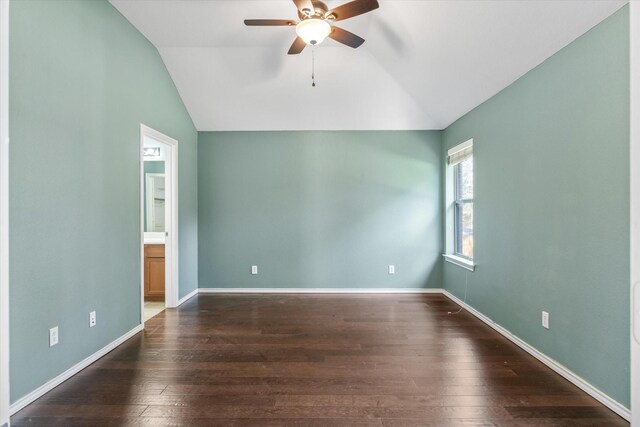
320,209
551,207
150,167
82,81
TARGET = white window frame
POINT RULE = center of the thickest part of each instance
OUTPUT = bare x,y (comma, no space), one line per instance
450,205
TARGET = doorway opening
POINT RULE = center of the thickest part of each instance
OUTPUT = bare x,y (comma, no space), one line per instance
159,216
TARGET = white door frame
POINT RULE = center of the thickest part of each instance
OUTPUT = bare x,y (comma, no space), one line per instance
634,33
4,213
171,219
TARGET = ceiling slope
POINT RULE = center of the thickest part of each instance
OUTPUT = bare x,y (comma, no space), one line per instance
424,63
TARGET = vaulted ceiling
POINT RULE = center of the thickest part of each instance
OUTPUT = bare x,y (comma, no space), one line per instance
424,63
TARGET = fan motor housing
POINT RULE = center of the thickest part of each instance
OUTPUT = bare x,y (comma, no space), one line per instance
320,11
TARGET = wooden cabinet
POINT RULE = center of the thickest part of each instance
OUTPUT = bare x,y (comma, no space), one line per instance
154,272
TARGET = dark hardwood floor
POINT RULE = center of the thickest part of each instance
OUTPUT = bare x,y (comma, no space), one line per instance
317,360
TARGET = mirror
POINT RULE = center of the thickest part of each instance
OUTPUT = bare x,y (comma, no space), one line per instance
155,202
154,198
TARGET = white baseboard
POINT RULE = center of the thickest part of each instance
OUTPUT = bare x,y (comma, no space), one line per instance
51,384
187,297
562,370
318,291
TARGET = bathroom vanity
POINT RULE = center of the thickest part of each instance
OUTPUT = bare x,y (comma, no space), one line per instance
154,272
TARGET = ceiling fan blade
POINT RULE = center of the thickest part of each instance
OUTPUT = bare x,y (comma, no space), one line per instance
351,9
346,37
269,22
297,46
303,5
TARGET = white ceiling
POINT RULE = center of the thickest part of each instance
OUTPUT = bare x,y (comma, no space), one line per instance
424,64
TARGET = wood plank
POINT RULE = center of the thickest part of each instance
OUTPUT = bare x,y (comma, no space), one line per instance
317,360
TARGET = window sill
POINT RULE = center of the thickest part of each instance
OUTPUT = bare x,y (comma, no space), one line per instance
460,262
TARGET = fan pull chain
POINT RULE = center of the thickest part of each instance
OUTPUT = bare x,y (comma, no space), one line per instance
313,67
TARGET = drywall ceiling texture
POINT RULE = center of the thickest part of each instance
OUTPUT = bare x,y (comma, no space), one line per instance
424,63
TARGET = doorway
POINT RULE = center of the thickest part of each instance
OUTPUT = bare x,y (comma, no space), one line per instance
158,207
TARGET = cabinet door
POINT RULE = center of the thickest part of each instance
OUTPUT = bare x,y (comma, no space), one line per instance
155,277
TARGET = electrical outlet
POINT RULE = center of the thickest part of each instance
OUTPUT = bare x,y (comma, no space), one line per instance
92,319
392,269
545,319
254,269
53,336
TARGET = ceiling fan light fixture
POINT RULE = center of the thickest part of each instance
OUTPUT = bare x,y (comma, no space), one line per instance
313,31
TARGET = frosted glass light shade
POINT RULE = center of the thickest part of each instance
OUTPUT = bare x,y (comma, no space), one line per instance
313,31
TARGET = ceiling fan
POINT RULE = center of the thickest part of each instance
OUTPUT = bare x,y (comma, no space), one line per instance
315,23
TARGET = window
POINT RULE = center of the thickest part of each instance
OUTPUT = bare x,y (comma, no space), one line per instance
463,210
459,215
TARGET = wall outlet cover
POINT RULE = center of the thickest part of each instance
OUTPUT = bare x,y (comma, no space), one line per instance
254,269
392,269
92,319
53,336
545,319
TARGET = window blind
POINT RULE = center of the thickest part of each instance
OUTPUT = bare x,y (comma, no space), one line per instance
460,156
